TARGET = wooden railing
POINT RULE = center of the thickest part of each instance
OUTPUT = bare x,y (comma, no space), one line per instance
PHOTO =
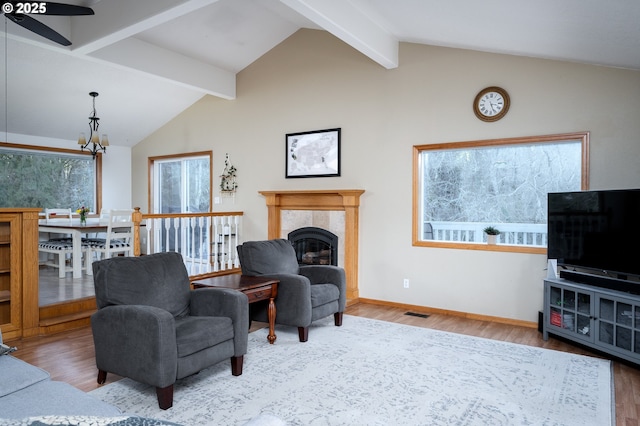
206,241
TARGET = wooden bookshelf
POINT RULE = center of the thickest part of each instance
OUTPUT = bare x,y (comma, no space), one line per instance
19,272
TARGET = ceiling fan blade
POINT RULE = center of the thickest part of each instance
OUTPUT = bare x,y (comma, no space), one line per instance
38,28
66,9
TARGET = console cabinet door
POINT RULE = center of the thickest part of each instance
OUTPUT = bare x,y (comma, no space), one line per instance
10,271
570,311
618,328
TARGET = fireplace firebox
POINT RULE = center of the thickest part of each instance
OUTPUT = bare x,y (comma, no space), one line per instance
314,246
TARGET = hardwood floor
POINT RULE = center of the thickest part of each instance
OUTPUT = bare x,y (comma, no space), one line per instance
52,289
69,356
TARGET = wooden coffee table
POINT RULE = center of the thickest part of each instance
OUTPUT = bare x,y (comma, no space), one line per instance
256,289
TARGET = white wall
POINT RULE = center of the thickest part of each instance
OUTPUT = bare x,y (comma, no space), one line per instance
313,81
116,168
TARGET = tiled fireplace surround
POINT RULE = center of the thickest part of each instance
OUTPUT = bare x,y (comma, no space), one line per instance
334,210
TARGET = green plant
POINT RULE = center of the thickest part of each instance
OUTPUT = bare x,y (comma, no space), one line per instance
490,230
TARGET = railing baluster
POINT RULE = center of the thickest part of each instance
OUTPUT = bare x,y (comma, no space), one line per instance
200,234
148,226
223,248
190,223
223,239
178,246
167,225
209,246
216,237
236,259
229,241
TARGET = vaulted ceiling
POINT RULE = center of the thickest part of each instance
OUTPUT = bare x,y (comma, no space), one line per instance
152,59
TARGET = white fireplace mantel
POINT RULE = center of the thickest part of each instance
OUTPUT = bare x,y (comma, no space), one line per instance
347,200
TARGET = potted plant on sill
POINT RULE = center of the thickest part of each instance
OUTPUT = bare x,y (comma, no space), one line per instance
492,234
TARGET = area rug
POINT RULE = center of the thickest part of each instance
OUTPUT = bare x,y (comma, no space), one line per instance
371,372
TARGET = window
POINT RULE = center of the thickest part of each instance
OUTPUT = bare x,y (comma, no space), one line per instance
180,184
33,176
461,188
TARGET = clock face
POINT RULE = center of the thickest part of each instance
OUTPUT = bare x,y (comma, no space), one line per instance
491,104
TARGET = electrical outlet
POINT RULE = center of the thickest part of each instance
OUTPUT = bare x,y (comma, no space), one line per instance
406,283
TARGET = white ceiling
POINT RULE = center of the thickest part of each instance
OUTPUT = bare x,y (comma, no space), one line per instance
152,59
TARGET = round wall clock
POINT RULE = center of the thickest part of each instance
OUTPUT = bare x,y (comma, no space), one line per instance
491,104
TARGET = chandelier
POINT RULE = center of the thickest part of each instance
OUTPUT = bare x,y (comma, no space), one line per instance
94,137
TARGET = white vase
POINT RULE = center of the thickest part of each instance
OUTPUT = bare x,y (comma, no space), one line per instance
492,239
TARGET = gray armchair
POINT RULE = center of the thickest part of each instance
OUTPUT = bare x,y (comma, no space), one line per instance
151,327
305,293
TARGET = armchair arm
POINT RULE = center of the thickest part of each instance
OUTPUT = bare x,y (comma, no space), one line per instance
328,274
293,303
223,302
136,341
323,274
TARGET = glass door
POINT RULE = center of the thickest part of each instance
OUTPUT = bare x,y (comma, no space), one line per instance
182,185
570,311
619,324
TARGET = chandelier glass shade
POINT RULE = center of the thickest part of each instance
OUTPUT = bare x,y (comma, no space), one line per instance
94,143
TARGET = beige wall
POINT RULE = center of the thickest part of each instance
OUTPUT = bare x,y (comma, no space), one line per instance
314,81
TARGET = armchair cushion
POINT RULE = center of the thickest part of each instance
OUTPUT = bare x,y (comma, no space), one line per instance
268,257
323,293
191,339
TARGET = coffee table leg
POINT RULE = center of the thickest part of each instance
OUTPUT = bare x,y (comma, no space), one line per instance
271,313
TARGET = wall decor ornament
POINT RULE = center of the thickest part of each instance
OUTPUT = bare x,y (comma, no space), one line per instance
228,184
313,154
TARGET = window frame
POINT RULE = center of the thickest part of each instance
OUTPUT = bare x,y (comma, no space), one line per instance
582,137
97,159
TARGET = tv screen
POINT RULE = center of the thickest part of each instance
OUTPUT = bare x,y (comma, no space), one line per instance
595,230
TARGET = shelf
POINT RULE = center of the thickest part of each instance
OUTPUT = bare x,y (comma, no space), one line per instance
5,296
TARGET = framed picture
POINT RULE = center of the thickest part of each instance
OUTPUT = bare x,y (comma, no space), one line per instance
313,154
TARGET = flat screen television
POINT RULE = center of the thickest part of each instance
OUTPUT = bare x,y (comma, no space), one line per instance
598,231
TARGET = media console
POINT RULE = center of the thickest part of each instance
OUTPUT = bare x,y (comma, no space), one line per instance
604,319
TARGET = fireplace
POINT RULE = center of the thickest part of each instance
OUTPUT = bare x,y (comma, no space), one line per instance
346,201
314,246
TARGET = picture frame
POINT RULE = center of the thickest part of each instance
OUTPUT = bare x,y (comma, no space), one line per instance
313,154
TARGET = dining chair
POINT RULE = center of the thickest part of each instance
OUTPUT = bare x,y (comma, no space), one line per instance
104,216
118,239
53,216
62,246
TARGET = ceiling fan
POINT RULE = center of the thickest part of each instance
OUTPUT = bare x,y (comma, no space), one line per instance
18,12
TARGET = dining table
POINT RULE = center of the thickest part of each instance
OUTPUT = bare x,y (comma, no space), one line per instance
76,230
